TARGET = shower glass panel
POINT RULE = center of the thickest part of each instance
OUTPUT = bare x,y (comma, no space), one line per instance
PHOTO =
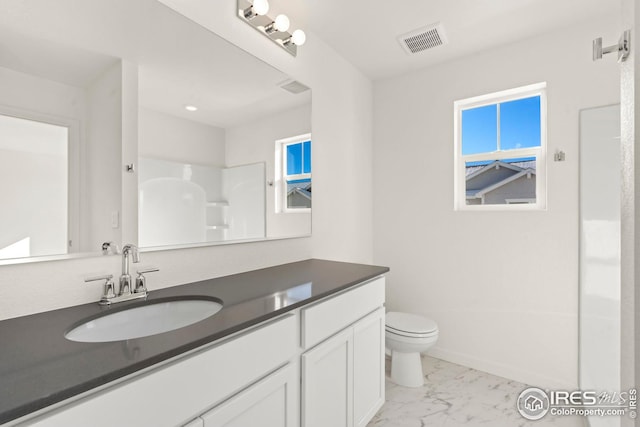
600,170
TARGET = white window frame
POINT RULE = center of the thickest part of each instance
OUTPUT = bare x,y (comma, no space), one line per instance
281,177
520,201
540,153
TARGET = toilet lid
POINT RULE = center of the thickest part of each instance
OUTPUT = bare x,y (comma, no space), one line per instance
405,324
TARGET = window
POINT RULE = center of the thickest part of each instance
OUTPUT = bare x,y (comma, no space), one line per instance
293,155
500,146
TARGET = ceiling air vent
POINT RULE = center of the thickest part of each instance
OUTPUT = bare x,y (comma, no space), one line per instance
293,86
423,38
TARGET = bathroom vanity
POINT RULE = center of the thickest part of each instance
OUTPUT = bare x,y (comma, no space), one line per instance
296,344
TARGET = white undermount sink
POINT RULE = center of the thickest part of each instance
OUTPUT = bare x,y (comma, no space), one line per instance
143,321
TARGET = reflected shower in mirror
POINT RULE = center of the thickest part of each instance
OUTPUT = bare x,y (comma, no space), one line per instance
77,101
208,140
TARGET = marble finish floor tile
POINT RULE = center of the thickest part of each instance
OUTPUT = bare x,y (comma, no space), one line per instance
455,395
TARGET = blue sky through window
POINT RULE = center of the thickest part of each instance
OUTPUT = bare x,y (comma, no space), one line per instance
479,130
299,158
520,123
519,126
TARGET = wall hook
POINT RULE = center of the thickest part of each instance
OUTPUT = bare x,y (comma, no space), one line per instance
623,47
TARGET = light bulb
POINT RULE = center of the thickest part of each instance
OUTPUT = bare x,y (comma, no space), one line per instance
191,108
281,23
260,7
298,37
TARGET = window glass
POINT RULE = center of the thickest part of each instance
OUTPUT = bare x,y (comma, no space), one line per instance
294,159
501,182
306,152
520,123
480,130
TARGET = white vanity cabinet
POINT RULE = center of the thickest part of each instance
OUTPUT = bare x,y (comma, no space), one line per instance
343,375
321,365
180,391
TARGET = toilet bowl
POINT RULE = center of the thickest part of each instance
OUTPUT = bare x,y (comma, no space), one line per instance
408,335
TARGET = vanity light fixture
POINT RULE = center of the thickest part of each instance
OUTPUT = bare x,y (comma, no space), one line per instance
257,8
281,23
191,108
254,13
298,38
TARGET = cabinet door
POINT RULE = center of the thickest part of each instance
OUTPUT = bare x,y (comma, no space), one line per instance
270,402
368,367
327,383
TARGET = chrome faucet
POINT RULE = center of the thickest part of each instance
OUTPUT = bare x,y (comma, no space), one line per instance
126,291
125,280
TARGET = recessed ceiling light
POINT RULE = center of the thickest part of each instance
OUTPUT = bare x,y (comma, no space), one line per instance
191,108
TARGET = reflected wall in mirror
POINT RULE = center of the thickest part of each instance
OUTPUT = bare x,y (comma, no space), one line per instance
60,123
83,83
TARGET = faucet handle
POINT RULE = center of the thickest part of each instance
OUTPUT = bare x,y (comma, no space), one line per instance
109,248
141,281
108,292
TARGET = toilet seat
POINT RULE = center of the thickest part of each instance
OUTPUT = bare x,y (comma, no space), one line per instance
406,336
410,325
402,334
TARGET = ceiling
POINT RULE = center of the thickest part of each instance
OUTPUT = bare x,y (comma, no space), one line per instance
74,42
365,32
85,37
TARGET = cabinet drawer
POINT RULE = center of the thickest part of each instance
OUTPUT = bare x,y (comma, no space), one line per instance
327,317
171,395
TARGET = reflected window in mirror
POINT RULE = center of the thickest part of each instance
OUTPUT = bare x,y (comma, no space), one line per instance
294,157
33,158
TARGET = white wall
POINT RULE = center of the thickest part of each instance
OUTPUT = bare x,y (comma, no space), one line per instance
502,286
255,142
101,155
163,136
43,96
342,114
243,188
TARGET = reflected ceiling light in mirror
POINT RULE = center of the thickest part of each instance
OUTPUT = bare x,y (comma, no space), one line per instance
255,14
191,108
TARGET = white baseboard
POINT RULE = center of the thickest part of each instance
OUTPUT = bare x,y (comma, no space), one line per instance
506,371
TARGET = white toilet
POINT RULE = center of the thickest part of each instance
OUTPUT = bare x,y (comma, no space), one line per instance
408,335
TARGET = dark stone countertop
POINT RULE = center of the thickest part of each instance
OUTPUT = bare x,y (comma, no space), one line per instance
39,367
